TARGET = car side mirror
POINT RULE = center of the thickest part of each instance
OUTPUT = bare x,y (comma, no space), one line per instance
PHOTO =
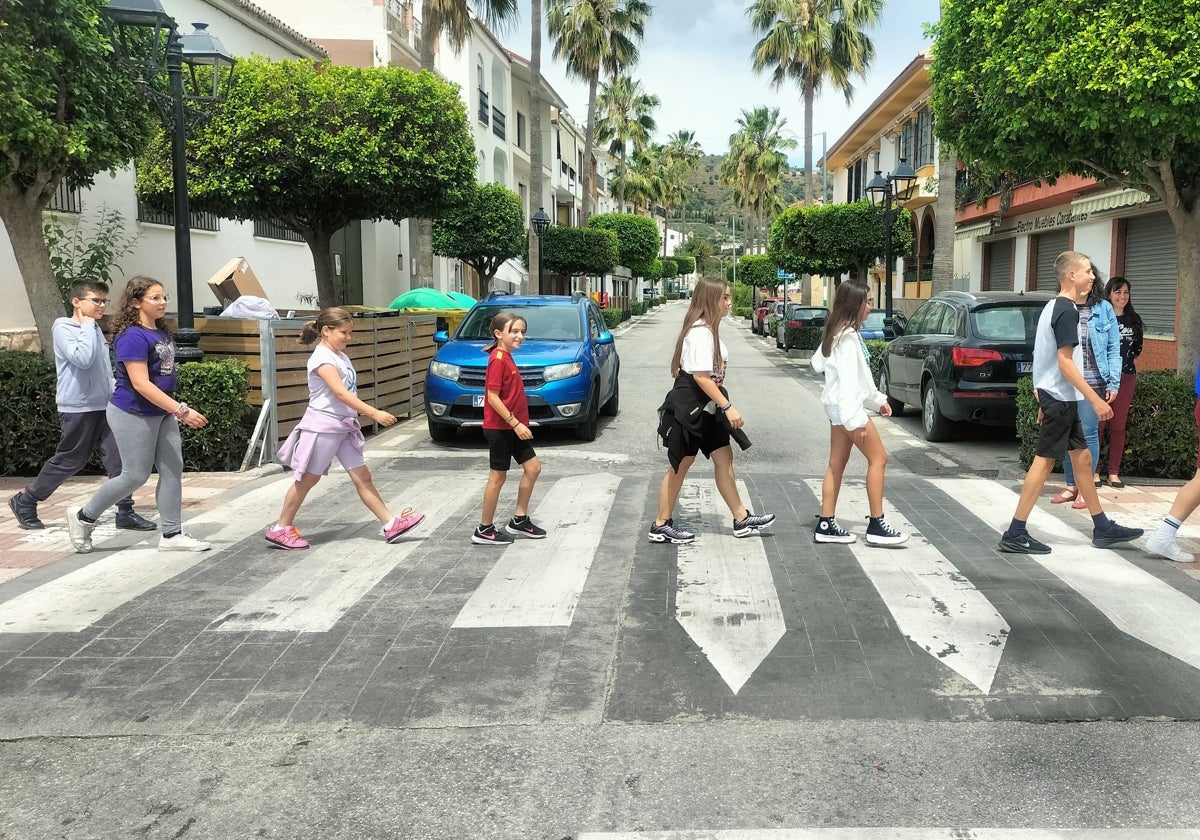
895,325
605,337
441,336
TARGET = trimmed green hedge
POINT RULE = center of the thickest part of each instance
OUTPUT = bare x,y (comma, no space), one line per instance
612,317
802,338
875,348
28,413
1161,435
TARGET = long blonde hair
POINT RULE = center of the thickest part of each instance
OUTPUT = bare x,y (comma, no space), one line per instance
708,306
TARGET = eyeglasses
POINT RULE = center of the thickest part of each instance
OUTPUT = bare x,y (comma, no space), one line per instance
98,301
159,299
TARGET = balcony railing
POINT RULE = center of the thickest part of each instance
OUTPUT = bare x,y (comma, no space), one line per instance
67,199
484,110
267,229
499,122
197,221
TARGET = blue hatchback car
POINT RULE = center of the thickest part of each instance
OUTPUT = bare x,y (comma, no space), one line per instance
568,362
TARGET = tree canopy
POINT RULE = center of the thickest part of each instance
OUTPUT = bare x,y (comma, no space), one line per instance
833,238
1091,87
317,146
574,251
637,238
70,112
484,231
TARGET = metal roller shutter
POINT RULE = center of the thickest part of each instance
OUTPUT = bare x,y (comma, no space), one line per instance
1049,246
1000,266
1151,267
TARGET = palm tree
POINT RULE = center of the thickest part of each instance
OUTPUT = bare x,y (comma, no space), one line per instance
756,161
591,36
681,155
811,42
625,119
451,18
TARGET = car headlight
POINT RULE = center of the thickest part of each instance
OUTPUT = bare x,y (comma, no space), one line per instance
445,370
556,372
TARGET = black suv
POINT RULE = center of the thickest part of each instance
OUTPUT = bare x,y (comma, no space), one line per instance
959,357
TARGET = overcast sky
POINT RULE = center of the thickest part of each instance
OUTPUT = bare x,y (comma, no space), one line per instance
696,59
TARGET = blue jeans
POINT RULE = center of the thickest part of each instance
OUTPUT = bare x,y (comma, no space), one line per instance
1091,433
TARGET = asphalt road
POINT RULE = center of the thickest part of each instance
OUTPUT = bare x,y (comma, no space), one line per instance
598,687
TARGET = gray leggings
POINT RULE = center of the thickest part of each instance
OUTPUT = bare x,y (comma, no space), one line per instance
144,442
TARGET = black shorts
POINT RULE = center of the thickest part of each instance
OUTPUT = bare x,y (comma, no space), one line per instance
713,436
1060,431
504,447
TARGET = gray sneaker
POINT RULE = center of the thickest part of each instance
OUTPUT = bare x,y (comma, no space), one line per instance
79,531
753,522
668,533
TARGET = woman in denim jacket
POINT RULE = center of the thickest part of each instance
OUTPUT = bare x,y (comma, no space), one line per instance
1102,368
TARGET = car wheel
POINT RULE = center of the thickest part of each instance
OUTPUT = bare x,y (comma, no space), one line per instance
587,430
442,432
937,427
896,406
610,408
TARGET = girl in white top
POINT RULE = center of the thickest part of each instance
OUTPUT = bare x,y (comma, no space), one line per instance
842,357
698,366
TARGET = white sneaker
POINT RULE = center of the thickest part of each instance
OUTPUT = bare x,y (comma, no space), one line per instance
79,531
1168,549
182,542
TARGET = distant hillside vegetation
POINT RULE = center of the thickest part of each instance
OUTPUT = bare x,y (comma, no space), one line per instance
710,209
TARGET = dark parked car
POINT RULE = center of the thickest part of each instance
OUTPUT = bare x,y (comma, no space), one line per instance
960,357
875,326
799,315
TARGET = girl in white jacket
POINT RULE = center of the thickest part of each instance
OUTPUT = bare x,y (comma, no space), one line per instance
842,357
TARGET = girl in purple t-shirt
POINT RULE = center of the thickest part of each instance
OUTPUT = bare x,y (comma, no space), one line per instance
144,417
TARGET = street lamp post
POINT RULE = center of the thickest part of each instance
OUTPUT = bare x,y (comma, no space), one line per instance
540,222
170,51
896,187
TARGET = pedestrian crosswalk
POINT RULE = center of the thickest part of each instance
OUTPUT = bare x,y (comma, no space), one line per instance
947,593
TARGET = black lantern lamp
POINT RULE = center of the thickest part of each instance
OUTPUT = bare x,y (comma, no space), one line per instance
147,40
883,193
540,222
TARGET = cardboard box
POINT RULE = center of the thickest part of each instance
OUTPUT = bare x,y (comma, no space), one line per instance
234,280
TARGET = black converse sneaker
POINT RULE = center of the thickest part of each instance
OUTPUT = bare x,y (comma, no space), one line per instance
829,531
879,532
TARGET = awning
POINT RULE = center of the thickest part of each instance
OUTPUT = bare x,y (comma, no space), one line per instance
1110,201
971,231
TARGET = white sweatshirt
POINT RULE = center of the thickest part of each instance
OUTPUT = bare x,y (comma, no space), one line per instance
848,386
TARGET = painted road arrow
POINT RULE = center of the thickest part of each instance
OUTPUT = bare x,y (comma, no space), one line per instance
933,604
1134,600
727,601
538,582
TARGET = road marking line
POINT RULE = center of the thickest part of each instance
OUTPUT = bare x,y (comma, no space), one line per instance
558,454
78,599
537,583
1134,600
328,579
726,600
919,833
933,604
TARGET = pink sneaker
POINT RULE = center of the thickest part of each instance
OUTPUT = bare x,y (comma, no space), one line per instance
288,537
402,524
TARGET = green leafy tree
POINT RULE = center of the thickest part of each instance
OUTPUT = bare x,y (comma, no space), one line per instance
704,252
758,270
813,42
317,146
686,264
86,249
637,238
484,231
70,112
670,269
1095,88
575,251
590,36
836,238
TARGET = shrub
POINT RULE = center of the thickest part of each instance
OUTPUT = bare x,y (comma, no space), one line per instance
217,389
742,311
875,348
1161,434
28,412
773,325
802,338
612,317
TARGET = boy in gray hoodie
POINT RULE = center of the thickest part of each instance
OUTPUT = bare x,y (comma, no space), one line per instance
85,383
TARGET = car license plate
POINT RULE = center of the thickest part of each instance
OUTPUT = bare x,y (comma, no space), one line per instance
477,401
1024,367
